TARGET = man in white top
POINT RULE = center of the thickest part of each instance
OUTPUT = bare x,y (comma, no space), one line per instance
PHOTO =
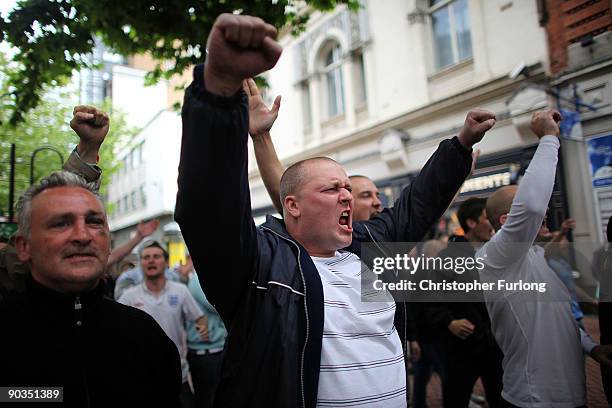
542,344
169,303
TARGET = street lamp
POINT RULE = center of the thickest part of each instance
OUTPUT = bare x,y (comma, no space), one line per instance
33,157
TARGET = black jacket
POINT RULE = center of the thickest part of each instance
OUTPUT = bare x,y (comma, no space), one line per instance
104,355
439,315
263,283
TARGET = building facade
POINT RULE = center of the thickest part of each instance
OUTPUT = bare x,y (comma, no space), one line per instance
145,187
580,49
378,90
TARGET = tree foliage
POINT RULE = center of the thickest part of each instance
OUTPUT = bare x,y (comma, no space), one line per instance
53,38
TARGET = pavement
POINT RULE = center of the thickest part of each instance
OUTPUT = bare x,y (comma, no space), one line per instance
595,394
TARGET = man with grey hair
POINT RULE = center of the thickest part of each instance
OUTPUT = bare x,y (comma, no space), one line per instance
91,346
91,126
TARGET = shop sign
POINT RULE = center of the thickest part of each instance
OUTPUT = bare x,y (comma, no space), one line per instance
599,150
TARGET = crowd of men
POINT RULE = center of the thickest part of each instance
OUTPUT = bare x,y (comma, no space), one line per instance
289,292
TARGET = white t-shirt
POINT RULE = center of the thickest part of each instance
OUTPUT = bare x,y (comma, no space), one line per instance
362,362
170,308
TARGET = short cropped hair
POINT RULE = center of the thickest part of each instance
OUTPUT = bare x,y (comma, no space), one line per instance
153,244
295,176
354,176
499,203
56,179
470,209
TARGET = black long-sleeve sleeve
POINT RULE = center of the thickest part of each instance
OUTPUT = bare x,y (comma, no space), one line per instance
423,201
213,206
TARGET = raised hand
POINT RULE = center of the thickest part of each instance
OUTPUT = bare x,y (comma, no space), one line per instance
239,47
567,225
91,125
475,155
546,123
144,229
477,123
261,118
185,269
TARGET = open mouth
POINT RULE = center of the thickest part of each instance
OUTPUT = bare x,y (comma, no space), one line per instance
345,220
151,268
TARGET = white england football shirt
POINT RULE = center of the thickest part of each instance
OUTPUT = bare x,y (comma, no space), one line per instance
170,308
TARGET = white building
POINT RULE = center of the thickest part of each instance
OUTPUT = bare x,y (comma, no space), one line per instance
379,89
145,186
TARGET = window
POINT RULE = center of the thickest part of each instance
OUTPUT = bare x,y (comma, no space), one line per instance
359,80
451,32
332,69
306,114
126,163
133,200
136,157
143,196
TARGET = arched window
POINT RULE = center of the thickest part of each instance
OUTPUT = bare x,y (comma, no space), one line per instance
332,68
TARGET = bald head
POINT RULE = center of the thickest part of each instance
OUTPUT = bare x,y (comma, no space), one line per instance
296,175
366,202
499,203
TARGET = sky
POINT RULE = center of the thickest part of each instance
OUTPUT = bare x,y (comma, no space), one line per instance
6,5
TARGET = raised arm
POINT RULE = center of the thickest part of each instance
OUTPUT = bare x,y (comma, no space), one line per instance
261,120
220,232
91,125
521,225
430,194
143,230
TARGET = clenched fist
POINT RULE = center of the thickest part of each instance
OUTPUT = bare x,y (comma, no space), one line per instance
546,123
91,125
477,123
239,47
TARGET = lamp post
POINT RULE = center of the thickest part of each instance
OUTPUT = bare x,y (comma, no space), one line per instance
33,158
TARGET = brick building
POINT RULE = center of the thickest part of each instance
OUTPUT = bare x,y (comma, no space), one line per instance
579,36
